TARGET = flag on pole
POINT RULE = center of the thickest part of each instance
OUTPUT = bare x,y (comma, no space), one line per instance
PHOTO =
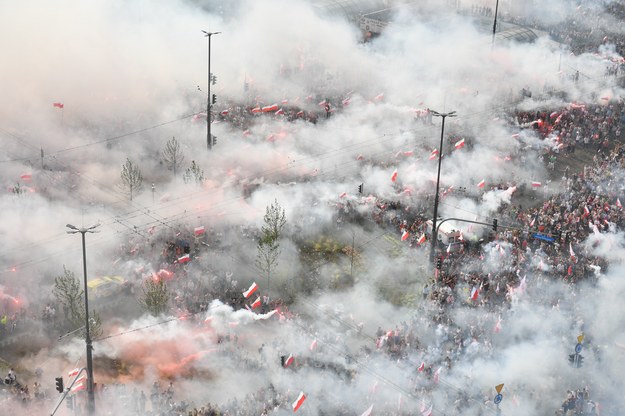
536,184
58,105
73,373
475,292
184,258
404,235
368,412
313,345
280,112
481,184
421,367
394,175
256,110
459,144
251,290
343,195
434,154
586,210
421,239
618,203
198,230
427,411
79,385
256,303
571,252
289,360
300,399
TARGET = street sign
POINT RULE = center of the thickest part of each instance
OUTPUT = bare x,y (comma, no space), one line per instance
578,348
498,398
498,388
580,339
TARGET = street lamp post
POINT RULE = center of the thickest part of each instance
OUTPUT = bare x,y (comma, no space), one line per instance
90,393
209,138
495,22
438,179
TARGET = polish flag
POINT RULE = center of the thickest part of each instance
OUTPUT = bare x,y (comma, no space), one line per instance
346,102
79,385
299,114
481,184
73,373
313,345
343,195
437,373
434,154
184,258
322,103
421,367
394,175
288,361
421,239
285,101
280,112
251,290
536,184
246,133
497,328
256,303
404,235
532,222
459,144
379,97
475,292
408,153
427,412
368,412
618,203
58,105
225,112
256,110
198,230
26,177
300,399
270,108
571,251
586,210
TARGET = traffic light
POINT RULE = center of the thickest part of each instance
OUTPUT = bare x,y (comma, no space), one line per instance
572,359
214,140
214,100
214,79
59,384
360,188
495,225
580,361
439,263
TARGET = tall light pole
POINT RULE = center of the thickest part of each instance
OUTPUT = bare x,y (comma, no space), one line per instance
438,180
90,393
495,22
209,138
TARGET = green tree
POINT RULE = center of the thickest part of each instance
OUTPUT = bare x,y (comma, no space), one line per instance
155,296
269,241
193,174
131,178
69,294
172,155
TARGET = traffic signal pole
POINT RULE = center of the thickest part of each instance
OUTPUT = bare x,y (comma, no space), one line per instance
67,389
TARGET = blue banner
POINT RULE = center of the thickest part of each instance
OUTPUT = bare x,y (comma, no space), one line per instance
544,237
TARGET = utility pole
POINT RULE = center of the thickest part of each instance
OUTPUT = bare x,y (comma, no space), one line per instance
209,137
438,180
90,392
495,22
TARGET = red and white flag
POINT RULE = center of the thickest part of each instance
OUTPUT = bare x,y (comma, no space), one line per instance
618,203
346,102
586,210
225,112
313,345
58,105
280,112
73,373
199,230
256,303
289,360
270,108
536,184
394,175
379,97
184,258
434,154
368,412
475,292
481,184
421,367
251,290
571,252
426,411
437,374
300,399
256,110
26,177
421,239
404,235
79,385
343,195
532,222
459,144
299,114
